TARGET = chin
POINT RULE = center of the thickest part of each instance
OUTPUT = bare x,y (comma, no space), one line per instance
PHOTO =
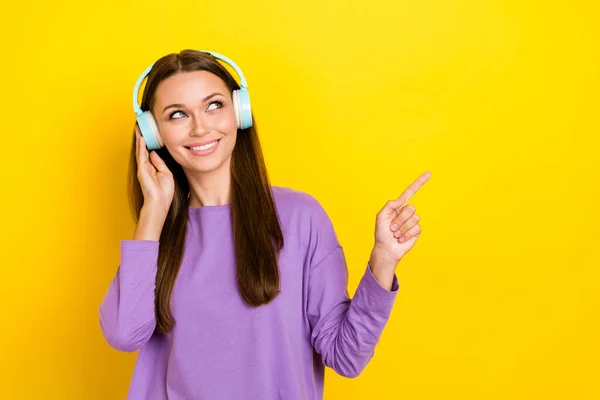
208,166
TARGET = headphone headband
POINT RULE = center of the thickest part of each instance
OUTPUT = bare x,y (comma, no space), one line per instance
136,106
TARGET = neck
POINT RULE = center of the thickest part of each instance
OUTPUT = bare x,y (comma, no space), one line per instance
210,189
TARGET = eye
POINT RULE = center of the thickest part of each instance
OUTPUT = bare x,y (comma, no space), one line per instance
175,113
218,102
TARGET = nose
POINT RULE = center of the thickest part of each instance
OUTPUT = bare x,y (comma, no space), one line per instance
199,126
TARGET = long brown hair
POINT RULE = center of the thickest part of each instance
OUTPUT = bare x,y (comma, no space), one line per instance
257,233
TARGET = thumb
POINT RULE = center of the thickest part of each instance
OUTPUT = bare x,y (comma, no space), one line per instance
159,163
388,212
395,204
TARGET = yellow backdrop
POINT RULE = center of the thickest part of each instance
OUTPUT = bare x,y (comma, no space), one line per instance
353,100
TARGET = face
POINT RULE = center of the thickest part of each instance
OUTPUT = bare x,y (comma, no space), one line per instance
195,116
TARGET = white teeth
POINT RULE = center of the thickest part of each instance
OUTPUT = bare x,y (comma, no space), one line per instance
205,147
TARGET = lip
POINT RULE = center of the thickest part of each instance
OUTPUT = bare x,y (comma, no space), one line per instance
201,143
202,153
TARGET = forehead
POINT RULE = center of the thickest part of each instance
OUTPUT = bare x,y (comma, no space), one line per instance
189,87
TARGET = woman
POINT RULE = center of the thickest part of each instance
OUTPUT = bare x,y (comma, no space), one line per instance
206,290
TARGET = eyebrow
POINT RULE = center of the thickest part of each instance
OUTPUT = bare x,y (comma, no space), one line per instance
176,105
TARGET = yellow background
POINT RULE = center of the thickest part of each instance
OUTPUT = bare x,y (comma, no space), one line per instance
353,100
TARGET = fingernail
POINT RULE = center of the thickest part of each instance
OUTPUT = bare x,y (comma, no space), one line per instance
394,227
401,239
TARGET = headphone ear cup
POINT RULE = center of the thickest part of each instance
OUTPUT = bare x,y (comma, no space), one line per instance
236,108
149,131
243,111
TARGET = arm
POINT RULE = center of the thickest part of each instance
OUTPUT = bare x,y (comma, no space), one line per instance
127,316
345,332
127,312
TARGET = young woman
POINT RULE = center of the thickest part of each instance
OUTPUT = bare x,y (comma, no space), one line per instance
232,288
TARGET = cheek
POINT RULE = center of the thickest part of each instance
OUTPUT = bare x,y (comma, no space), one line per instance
227,124
172,132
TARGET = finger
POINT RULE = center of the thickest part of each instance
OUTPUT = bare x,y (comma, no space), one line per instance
405,213
136,136
411,190
142,155
137,150
143,150
158,162
142,158
406,226
412,232
414,187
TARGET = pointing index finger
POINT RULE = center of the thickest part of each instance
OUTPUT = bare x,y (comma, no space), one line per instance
414,187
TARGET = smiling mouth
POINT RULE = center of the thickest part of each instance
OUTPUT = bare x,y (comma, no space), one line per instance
205,147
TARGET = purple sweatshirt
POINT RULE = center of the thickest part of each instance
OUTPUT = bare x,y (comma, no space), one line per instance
220,348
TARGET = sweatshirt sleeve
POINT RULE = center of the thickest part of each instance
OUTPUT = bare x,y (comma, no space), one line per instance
127,312
344,331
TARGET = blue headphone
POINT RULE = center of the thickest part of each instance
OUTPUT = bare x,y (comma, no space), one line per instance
147,123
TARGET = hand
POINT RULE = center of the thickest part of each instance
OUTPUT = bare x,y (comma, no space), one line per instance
397,226
155,177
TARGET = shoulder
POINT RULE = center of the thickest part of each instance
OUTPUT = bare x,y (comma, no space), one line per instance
300,211
296,201
288,196
302,216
